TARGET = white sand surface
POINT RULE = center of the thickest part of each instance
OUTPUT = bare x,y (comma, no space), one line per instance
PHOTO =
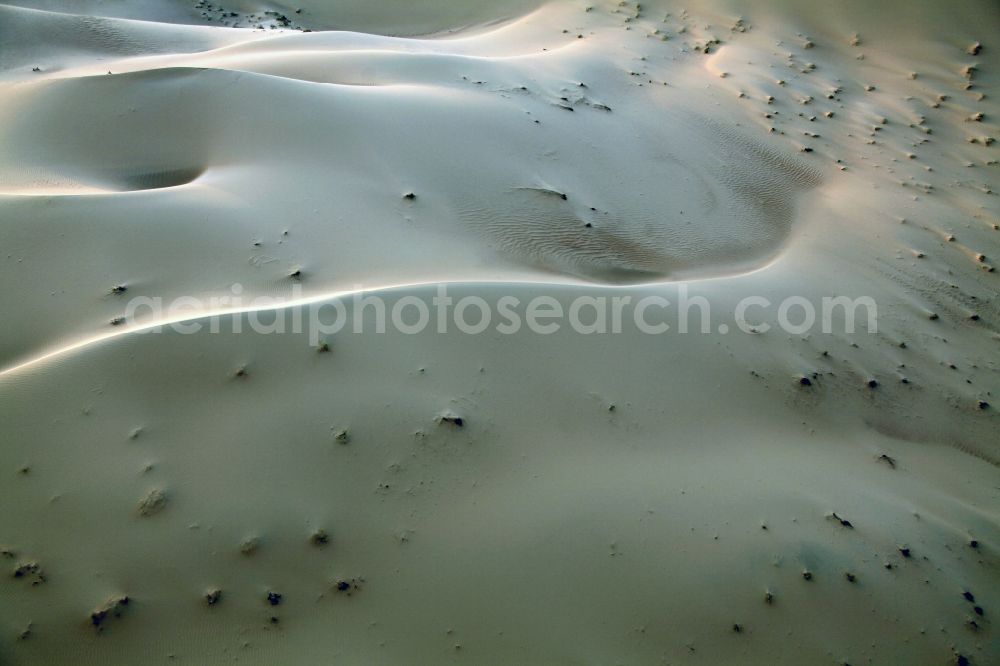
719,497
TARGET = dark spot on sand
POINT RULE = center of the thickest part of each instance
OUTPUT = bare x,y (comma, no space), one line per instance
154,502
213,597
451,419
273,598
249,545
843,521
31,571
111,608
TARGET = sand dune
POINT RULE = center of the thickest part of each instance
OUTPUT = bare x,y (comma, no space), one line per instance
772,495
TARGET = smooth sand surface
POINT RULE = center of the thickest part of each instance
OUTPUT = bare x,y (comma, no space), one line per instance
716,498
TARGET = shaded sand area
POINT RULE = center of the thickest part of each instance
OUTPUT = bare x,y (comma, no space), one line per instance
763,496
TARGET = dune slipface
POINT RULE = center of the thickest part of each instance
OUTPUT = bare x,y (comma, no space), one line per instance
755,421
113,133
713,202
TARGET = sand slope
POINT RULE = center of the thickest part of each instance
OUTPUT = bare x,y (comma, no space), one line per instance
623,498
